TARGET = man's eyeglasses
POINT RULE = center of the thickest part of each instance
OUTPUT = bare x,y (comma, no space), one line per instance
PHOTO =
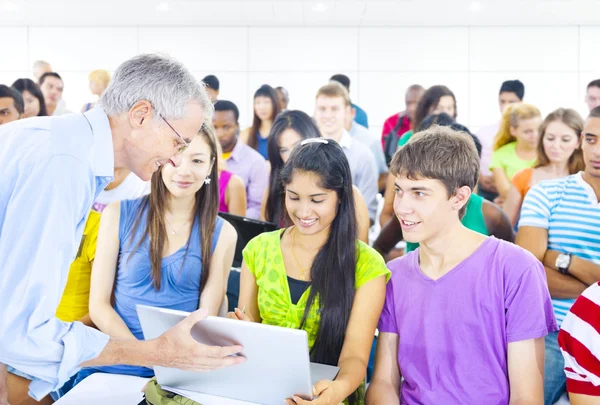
183,145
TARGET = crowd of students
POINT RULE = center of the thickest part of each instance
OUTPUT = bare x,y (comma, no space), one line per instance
501,233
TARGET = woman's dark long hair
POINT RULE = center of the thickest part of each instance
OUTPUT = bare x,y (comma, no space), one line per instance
333,271
430,100
304,126
29,85
264,91
205,213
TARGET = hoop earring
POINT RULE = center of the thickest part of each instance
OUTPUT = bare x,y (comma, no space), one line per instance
207,180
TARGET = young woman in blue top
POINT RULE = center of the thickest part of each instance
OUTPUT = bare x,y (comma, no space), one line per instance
266,108
168,249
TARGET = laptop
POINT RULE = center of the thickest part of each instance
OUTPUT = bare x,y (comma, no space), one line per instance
247,229
277,367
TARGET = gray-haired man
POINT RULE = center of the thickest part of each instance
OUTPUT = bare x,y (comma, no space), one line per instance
53,168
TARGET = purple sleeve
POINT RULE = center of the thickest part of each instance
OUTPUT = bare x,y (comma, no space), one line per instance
529,313
387,321
257,184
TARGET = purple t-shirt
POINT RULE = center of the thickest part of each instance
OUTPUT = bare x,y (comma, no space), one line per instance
454,331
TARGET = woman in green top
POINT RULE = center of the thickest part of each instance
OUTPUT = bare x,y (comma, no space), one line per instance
515,145
316,275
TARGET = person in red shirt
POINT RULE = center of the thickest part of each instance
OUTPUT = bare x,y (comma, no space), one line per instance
411,99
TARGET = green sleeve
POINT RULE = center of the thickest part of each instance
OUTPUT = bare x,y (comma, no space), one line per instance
496,160
370,265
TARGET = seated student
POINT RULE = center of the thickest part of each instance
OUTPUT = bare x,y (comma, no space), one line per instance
289,129
559,155
578,339
440,118
360,116
241,159
332,106
436,99
168,249
11,105
398,124
35,106
316,275
74,304
515,145
232,191
481,215
560,225
511,92
465,314
266,108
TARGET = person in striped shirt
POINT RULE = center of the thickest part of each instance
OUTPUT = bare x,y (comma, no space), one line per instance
560,225
578,340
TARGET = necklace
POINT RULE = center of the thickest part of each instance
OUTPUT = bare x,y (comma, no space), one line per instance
302,270
173,231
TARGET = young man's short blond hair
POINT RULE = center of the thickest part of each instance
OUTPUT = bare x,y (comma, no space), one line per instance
335,89
439,153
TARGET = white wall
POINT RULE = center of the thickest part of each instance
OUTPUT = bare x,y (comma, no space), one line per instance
555,63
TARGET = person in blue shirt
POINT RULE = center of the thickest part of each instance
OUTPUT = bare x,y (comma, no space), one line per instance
185,266
52,170
360,116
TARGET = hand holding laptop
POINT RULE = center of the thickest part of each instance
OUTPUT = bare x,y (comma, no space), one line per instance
240,315
178,349
323,392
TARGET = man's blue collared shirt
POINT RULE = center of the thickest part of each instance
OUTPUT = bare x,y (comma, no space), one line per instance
52,169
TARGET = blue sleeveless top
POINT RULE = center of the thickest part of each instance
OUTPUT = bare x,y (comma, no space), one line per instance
261,147
180,279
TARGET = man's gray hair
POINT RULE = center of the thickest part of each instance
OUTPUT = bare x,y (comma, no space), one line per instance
159,79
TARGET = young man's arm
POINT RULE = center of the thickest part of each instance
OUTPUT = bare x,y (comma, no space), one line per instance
390,235
526,372
497,222
583,270
385,384
560,285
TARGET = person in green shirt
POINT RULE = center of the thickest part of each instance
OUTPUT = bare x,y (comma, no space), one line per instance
515,145
316,275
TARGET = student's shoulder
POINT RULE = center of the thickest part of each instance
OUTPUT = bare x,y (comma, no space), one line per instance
555,188
251,153
402,267
266,240
512,259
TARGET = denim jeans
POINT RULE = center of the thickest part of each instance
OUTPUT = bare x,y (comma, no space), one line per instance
55,395
555,380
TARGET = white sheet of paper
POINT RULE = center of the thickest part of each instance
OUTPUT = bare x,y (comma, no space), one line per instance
206,399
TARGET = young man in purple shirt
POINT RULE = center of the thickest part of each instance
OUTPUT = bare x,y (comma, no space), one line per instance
465,314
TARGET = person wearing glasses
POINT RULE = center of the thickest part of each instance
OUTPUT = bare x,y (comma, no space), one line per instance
316,275
52,170
188,266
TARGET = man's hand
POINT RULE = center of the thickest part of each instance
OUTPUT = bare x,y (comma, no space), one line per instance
176,348
3,385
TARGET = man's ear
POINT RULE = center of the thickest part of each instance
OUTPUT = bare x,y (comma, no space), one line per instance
461,197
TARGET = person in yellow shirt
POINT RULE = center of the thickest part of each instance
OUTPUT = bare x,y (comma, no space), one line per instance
74,305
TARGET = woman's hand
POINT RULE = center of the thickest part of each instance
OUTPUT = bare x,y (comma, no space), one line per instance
240,315
325,393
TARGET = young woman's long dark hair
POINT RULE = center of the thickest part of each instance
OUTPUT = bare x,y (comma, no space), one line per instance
264,91
29,85
206,208
302,124
431,99
333,271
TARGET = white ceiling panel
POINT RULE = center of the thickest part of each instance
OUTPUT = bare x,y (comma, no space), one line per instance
298,12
